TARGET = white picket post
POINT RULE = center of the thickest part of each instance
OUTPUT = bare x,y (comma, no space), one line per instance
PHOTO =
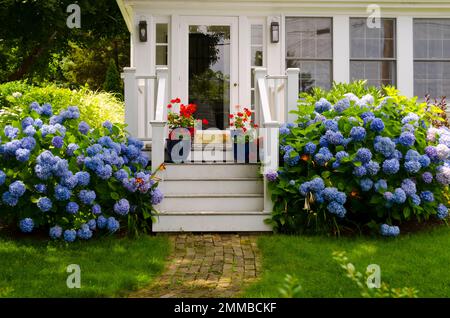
292,93
131,100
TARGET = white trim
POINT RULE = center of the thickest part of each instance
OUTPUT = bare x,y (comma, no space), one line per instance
244,63
341,48
405,56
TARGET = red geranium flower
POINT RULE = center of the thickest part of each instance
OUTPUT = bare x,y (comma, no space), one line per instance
169,106
230,115
205,122
240,114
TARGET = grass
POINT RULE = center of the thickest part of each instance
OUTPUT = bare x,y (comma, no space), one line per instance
417,260
110,267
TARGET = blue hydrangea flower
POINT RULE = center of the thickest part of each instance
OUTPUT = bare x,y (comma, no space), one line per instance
337,209
122,207
385,146
415,199
359,171
367,117
330,193
341,155
316,184
342,105
322,106
366,184
407,139
388,196
28,143
310,148
323,141
11,132
372,167
22,155
424,161
431,152
358,133
121,174
62,193
112,224
388,230
26,225
92,224
104,172
55,232
427,177
284,130
334,138
71,148
271,176
412,166
409,128
70,235
427,196
303,189
2,177
17,188
38,123
157,196
46,110
331,124
391,166
364,155
83,178
70,181
409,187
412,155
72,207
323,156
108,125
399,196
411,117
9,199
442,212
84,232
27,121
292,182
96,209
83,128
87,197
102,222
44,204
30,131
380,185
377,125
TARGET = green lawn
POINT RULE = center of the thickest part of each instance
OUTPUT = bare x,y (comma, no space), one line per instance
109,266
418,260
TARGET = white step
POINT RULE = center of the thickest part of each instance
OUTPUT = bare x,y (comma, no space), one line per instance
211,171
212,203
212,222
212,186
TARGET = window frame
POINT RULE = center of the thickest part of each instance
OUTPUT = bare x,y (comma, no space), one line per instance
380,59
310,59
162,20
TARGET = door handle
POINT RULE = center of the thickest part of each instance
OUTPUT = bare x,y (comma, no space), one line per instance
235,84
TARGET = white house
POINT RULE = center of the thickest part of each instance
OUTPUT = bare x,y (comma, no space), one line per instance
260,54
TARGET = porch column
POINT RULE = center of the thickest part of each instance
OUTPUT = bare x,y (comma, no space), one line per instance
292,93
131,100
341,48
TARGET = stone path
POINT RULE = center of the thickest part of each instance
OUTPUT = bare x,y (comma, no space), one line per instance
207,265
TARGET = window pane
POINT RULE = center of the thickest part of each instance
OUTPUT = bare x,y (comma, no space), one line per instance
161,33
257,34
431,78
372,43
161,55
309,38
312,74
431,38
257,56
377,73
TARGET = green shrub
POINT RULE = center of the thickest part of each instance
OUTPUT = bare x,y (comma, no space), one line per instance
360,157
113,82
95,107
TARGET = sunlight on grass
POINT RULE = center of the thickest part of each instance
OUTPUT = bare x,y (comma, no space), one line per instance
415,260
109,266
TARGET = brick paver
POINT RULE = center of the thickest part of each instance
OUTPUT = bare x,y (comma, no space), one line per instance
207,265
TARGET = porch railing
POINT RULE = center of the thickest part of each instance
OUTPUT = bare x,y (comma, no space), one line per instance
275,97
145,111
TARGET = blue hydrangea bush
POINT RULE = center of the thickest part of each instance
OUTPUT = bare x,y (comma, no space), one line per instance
360,158
63,177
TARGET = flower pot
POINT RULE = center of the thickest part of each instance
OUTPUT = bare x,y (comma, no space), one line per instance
178,150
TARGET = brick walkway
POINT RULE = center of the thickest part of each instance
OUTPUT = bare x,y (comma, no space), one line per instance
207,265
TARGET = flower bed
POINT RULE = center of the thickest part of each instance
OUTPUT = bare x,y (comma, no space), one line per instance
59,175
361,158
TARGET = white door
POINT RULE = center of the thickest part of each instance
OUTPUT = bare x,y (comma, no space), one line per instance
209,73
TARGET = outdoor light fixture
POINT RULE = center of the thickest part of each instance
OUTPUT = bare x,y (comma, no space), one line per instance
143,31
274,32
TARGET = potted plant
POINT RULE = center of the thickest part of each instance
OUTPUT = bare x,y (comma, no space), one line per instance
244,136
181,130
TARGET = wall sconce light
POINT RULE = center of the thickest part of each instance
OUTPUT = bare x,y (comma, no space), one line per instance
143,31
274,32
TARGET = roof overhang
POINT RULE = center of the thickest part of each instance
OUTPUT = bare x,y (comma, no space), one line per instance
126,13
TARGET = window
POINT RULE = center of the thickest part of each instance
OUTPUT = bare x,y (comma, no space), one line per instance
257,54
431,57
162,44
309,47
372,52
